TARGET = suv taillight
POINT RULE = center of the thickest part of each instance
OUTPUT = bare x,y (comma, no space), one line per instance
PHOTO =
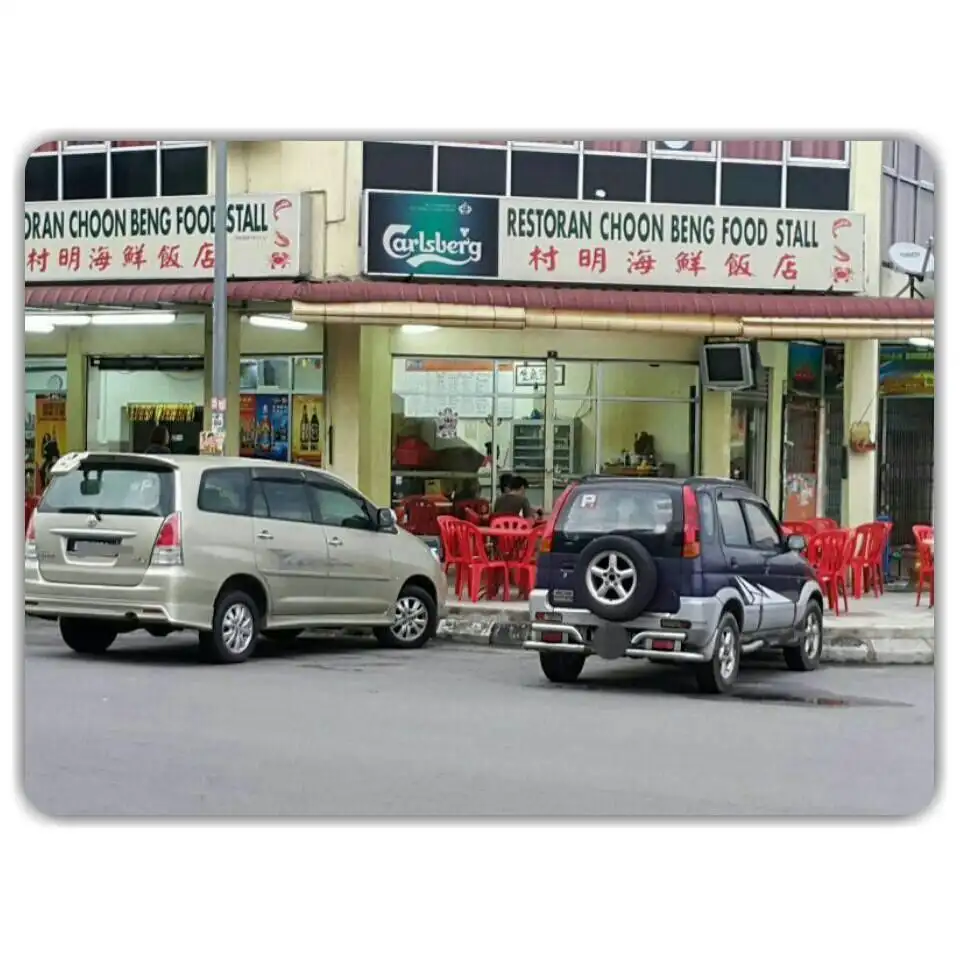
691,523
30,539
546,541
168,548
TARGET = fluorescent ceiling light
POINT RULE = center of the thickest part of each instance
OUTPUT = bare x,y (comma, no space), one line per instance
921,342
151,319
419,328
60,319
277,323
33,324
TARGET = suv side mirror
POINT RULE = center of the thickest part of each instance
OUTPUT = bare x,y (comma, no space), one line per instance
796,542
386,519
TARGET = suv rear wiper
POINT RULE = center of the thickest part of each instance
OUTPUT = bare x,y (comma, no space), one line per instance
112,511
91,510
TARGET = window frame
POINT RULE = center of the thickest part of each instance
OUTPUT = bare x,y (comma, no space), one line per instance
295,478
767,514
652,152
322,483
816,161
247,473
902,181
736,498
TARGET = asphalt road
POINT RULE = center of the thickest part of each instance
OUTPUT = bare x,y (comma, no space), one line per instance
340,727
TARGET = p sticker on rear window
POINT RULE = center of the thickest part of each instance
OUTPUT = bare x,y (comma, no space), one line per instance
588,501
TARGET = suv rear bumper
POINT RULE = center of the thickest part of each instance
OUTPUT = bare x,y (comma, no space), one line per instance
686,636
157,599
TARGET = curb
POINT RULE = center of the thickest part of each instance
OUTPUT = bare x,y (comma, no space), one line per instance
842,645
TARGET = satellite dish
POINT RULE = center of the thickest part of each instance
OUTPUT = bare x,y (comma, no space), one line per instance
676,144
912,259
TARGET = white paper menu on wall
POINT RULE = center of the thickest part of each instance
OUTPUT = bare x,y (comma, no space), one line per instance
428,392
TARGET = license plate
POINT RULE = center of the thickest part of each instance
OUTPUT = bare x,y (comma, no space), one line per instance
94,548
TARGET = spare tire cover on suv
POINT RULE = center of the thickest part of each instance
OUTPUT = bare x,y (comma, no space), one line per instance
617,577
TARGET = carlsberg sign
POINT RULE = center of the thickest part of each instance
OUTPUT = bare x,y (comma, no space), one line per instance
430,235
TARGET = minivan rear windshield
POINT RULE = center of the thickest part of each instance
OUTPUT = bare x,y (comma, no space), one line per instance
639,507
113,488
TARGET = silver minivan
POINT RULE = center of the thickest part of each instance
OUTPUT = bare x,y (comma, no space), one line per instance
232,548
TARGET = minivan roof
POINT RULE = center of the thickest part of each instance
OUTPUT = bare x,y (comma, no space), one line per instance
196,461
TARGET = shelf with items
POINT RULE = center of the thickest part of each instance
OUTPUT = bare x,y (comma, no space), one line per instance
529,447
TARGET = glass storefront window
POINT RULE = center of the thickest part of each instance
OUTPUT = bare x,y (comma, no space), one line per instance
645,437
123,406
44,418
632,417
282,409
442,427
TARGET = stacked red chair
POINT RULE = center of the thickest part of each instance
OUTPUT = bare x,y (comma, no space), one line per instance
829,554
923,535
523,570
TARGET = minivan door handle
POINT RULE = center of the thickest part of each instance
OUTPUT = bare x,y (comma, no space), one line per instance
264,535
335,542
734,563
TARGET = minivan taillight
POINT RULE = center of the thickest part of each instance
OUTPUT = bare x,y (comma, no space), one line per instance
546,541
30,539
691,523
168,548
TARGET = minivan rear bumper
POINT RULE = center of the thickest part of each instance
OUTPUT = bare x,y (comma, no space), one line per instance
684,636
160,598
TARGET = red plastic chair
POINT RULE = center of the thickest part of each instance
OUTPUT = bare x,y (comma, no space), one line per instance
421,514
802,527
523,570
829,554
454,554
512,549
823,524
923,535
866,562
29,505
478,565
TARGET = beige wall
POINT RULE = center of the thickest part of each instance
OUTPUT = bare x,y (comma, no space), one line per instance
330,169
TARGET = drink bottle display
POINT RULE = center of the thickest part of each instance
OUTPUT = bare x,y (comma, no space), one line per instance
265,432
304,430
314,430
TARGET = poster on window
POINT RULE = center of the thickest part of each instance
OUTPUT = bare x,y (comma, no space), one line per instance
50,436
308,429
800,502
248,425
272,427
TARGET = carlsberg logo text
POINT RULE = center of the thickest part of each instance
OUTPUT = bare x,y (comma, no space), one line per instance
420,248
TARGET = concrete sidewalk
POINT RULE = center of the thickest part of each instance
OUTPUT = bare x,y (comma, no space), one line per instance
889,629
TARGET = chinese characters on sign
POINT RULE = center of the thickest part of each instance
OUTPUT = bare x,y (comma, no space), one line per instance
665,246
115,240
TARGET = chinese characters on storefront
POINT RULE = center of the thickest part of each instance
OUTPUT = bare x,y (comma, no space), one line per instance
125,241
594,242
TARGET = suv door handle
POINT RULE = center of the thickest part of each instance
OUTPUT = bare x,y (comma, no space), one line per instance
335,542
264,535
734,563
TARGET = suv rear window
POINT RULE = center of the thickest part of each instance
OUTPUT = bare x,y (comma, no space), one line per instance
640,507
114,488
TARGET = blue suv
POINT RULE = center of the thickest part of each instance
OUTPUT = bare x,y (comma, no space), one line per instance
692,571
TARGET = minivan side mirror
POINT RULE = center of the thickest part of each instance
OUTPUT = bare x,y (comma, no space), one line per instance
797,542
386,519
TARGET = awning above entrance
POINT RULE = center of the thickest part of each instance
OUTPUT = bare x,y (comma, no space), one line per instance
242,292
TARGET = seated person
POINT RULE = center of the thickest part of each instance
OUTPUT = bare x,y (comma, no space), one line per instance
514,501
468,493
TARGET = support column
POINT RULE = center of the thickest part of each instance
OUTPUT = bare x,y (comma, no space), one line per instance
341,364
76,438
775,357
376,405
231,440
860,403
359,389
716,410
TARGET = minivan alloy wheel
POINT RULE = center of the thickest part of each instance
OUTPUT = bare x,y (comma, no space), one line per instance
410,619
611,577
238,628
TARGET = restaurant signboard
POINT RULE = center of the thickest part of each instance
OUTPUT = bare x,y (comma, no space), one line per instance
168,238
613,244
